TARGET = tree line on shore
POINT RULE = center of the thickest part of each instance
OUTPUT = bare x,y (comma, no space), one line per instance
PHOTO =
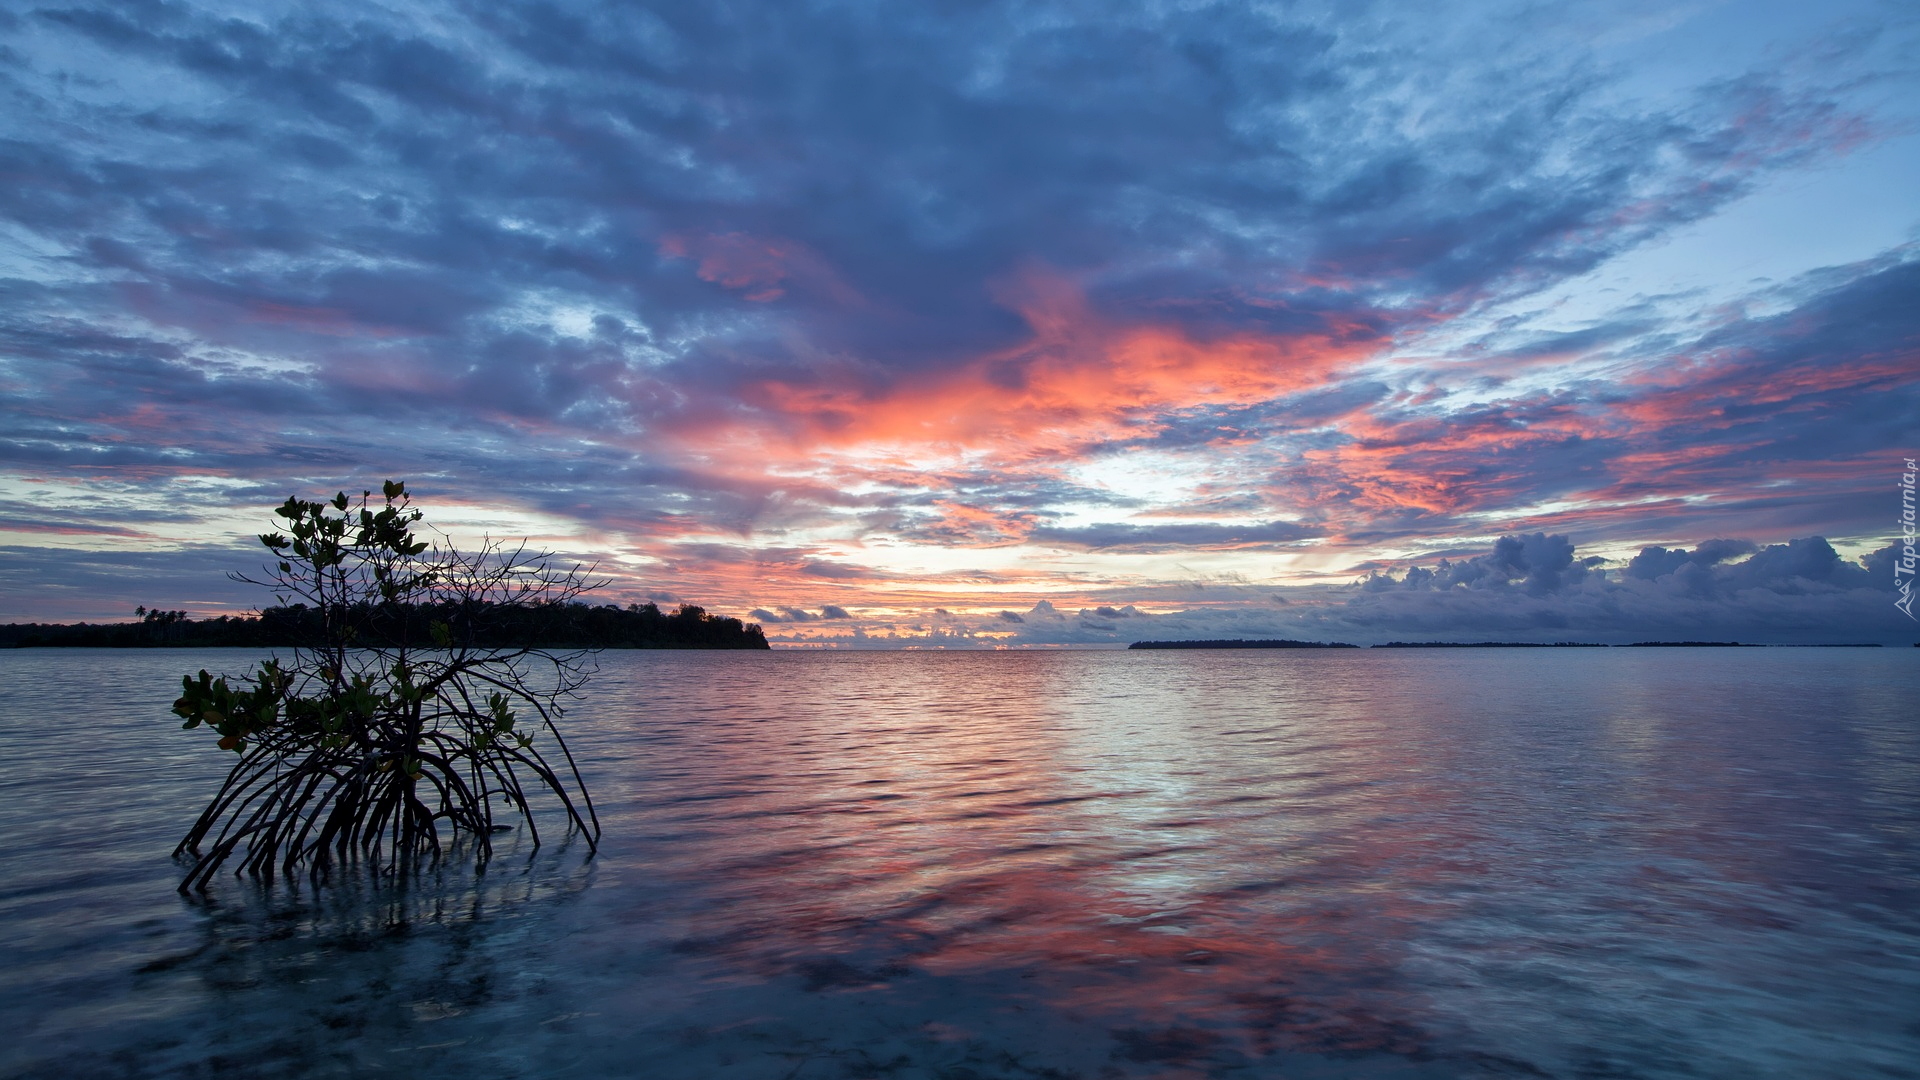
477,624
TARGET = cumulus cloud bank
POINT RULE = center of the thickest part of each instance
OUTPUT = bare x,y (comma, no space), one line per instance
1800,591
1528,588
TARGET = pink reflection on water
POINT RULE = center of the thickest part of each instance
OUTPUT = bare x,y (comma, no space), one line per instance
1203,877
1506,862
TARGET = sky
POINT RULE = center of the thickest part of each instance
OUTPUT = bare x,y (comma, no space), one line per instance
983,324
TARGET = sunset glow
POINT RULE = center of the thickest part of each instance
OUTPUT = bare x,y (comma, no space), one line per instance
1019,327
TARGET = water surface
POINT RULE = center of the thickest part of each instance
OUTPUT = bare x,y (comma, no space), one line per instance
1569,863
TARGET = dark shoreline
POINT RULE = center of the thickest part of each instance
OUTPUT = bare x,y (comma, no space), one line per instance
1246,643
1279,643
487,626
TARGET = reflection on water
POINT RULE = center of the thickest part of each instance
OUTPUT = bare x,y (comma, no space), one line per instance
1486,863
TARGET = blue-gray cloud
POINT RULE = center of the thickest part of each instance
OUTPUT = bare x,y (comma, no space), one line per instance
1129,537
1532,588
421,175
534,252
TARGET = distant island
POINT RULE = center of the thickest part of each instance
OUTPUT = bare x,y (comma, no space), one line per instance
1751,645
556,626
1491,645
1281,643
1242,643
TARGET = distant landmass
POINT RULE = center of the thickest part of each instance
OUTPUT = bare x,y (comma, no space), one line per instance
1242,643
558,626
1752,646
1491,645
1281,643
1690,646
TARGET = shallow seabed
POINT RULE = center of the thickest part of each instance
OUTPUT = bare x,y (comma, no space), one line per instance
1568,863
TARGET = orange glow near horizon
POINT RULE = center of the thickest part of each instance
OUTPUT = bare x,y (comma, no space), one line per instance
1077,382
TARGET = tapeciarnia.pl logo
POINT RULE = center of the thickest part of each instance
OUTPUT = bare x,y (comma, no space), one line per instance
1903,566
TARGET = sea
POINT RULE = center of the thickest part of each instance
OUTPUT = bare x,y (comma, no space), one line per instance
1619,863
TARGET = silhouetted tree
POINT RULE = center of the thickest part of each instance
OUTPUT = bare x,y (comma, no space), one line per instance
385,730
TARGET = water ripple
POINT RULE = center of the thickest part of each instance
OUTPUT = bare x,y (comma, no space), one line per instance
1503,863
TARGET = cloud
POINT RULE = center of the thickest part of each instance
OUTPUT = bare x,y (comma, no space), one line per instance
1544,564
1531,588
840,291
1547,565
1123,535
1798,591
1784,418
785,615
799,615
47,584
1656,562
